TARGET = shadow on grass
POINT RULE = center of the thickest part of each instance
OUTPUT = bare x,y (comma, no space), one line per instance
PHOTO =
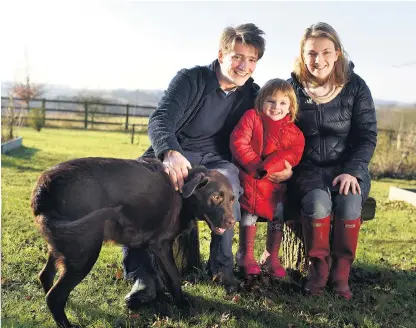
25,159
364,275
14,158
18,323
22,152
382,295
206,312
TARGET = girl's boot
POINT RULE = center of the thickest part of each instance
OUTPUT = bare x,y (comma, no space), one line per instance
246,249
270,258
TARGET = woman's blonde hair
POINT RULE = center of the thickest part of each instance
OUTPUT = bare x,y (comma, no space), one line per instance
341,70
273,86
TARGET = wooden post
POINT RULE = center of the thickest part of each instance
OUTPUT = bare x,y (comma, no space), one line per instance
86,115
127,117
400,133
43,111
390,132
132,134
399,140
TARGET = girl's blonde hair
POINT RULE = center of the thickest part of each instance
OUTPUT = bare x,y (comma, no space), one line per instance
341,70
273,86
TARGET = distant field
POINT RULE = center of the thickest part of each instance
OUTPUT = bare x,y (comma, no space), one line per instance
391,161
395,118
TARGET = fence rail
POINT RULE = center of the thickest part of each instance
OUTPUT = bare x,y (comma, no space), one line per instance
86,113
89,114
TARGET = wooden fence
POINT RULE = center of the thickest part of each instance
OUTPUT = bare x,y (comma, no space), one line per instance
85,113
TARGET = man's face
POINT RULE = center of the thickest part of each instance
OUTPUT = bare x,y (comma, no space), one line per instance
237,66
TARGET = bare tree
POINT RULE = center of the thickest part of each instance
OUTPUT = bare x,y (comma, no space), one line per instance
27,91
10,120
14,117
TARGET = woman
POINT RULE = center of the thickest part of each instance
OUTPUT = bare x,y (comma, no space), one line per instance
337,118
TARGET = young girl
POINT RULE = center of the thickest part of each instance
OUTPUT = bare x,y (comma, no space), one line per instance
262,141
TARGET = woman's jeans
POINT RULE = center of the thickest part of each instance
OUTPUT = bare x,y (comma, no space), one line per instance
318,204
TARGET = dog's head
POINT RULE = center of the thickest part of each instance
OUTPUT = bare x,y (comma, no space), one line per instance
211,198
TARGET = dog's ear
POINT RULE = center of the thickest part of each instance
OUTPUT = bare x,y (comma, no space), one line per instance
198,181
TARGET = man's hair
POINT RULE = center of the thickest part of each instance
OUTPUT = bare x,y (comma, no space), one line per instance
248,34
341,67
270,88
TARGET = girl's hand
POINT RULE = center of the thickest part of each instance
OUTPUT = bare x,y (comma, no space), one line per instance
281,176
346,182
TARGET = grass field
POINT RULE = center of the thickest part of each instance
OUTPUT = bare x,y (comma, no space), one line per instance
384,279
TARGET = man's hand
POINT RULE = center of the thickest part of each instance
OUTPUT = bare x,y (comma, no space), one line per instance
346,182
281,176
177,166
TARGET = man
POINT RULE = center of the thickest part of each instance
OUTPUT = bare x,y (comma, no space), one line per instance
192,125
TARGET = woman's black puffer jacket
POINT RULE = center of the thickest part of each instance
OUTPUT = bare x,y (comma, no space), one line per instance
340,137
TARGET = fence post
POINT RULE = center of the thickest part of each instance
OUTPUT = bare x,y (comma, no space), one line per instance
132,134
390,132
43,111
127,117
86,116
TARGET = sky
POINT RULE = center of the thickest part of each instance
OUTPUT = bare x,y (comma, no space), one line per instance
141,45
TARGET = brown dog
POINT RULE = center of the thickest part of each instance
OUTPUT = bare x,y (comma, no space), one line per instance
81,203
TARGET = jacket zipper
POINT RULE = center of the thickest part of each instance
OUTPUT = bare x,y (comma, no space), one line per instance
321,140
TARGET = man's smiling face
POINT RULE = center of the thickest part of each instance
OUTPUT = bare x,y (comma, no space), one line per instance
237,66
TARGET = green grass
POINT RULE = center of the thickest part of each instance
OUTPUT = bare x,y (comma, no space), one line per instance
384,279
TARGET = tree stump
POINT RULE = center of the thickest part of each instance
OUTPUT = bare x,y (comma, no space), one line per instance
292,247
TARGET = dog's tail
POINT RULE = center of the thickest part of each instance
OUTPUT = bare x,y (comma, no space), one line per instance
89,231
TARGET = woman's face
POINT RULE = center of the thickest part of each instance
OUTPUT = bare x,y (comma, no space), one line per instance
320,56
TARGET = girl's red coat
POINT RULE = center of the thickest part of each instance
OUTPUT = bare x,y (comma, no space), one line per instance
260,147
